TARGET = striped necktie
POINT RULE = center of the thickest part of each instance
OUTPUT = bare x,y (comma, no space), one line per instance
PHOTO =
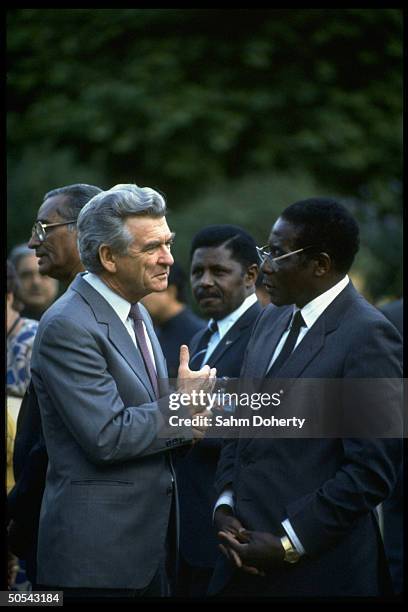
137,318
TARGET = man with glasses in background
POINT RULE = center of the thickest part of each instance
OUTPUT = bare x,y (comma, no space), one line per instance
296,517
54,235
54,238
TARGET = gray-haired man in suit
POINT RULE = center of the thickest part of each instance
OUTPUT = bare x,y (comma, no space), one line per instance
101,381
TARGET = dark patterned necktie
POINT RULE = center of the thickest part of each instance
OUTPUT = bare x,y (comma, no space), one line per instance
297,324
195,361
137,318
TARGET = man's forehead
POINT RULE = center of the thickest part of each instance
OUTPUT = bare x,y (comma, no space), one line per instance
145,228
52,208
282,231
213,254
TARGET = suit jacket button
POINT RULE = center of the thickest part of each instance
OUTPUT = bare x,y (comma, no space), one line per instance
169,490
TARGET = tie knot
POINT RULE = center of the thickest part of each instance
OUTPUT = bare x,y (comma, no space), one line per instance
213,326
297,321
135,313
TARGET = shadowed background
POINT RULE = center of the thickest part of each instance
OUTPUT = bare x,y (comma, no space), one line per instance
232,114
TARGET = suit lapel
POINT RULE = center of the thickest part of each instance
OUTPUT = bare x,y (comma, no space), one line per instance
267,344
197,343
314,340
123,343
117,333
308,348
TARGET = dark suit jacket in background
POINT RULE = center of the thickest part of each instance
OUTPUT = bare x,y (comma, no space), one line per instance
328,488
393,507
394,312
196,470
173,333
30,461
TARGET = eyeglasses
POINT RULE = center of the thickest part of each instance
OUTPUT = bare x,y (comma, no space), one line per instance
39,229
264,254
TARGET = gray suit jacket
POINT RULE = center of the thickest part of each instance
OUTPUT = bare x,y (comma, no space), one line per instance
106,505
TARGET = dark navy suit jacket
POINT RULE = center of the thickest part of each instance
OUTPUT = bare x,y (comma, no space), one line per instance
30,461
327,488
196,470
393,507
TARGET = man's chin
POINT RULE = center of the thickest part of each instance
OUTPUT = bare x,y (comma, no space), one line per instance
51,271
44,270
160,284
43,266
274,296
36,302
278,302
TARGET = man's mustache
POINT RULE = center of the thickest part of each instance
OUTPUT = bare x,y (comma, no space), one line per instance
201,294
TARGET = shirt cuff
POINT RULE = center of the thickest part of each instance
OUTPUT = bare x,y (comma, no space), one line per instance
225,499
292,536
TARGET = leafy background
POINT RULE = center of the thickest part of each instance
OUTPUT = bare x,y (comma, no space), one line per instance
232,114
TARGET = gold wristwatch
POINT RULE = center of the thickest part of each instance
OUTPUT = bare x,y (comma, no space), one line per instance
291,554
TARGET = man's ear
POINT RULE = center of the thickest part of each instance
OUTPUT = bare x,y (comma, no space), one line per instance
107,258
323,264
251,275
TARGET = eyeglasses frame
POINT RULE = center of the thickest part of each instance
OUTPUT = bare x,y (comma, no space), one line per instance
272,260
45,226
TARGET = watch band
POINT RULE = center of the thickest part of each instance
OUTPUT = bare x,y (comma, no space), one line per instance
291,554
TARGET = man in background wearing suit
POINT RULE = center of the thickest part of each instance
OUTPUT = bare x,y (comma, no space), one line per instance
54,238
296,516
224,268
101,382
393,507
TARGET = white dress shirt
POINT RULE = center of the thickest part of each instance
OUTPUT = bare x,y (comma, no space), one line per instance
120,306
225,324
310,313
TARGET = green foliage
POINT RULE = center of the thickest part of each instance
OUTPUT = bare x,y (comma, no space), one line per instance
183,99
254,202
37,171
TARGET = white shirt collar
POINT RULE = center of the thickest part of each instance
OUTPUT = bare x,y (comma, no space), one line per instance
118,303
225,324
312,311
